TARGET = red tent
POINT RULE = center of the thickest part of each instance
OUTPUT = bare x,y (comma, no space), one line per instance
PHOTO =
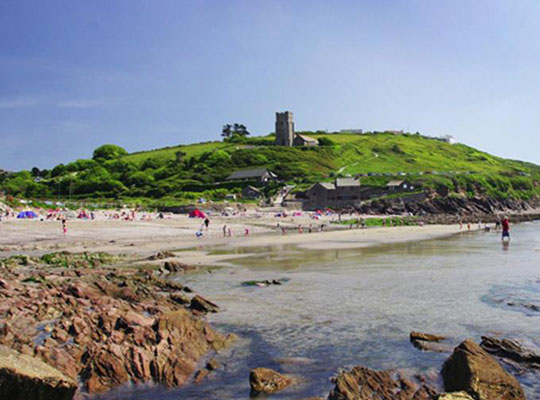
197,214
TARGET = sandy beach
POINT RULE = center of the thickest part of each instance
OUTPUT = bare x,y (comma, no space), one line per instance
178,233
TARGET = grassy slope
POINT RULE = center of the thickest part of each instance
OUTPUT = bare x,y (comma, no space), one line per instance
355,154
169,153
206,164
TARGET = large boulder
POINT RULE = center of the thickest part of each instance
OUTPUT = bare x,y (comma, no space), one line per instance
23,377
365,384
472,369
265,380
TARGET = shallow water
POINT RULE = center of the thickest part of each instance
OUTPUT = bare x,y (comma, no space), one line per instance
356,307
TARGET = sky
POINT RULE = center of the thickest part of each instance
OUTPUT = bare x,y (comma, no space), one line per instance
147,74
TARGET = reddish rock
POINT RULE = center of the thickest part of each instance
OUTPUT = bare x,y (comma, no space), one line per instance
510,349
428,337
200,375
111,329
472,369
27,378
201,304
265,380
365,384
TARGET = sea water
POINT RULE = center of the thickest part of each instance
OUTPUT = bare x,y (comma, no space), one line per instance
339,308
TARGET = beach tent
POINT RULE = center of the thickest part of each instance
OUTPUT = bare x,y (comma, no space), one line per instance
27,214
83,215
197,214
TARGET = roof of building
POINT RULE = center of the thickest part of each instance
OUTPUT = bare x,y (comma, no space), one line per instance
250,173
307,138
252,188
326,185
394,183
342,182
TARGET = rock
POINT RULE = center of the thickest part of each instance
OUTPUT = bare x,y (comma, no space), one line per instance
133,318
472,369
265,380
511,350
455,396
212,365
200,375
435,347
173,266
201,304
365,384
102,327
180,298
425,337
23,377
161,255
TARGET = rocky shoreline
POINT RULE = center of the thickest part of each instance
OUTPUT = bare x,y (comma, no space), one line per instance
77,324
101,326
452,209
469,373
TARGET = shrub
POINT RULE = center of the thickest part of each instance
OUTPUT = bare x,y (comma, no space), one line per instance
108,152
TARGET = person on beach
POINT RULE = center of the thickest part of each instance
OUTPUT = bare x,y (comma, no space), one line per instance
206,223
224,230
468,226
64,226
246,232
505,228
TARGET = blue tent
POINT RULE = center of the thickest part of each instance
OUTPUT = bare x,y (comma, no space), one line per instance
27,214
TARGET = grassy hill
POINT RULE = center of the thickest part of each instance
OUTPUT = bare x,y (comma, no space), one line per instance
182,173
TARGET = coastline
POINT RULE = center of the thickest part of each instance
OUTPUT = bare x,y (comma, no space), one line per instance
142,239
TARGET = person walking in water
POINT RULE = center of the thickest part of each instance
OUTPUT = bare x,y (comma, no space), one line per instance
505,228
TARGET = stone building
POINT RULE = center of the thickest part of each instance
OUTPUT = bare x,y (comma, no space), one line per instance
284,128
399,186
255,175
344,192
285,135
303,140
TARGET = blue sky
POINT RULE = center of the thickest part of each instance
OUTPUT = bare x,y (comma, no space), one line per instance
147,74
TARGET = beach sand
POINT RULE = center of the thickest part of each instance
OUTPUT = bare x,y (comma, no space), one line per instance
177,233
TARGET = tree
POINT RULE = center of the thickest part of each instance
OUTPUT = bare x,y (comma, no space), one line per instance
108,152
226,131
230,131
240,129
35,172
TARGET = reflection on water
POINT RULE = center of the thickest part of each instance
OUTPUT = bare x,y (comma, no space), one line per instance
348,307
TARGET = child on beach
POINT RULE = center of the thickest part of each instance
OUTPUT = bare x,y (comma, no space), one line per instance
64,226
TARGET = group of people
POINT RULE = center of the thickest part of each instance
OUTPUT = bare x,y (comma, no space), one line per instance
500,224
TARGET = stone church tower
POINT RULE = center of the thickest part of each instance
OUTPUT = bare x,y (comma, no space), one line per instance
284,129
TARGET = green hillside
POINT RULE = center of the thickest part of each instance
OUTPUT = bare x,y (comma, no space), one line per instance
182,173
